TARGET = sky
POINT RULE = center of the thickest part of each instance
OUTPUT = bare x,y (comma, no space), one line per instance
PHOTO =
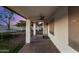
15,20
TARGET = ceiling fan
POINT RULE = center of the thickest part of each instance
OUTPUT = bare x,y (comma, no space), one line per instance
41,17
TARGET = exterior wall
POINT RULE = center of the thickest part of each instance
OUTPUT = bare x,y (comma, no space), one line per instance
61,25
74,27
60,38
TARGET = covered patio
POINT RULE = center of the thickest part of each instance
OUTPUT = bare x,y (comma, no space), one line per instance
54,37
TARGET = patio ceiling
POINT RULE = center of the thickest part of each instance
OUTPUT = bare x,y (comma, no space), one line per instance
34,12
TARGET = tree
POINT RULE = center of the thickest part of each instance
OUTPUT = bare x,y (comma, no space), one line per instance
6,17
21,23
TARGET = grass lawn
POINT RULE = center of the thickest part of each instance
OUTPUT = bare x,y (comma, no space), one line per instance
5,46
16,49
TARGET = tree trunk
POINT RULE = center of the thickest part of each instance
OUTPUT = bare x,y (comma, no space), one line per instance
9,25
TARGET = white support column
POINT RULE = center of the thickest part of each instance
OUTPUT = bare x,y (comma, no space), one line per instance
34,28
28,31
45,29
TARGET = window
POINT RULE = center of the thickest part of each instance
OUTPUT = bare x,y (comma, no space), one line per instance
51,27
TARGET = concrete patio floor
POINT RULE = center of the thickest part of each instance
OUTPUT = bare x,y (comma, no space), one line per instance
39,44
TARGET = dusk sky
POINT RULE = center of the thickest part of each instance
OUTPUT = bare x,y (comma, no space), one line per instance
16,18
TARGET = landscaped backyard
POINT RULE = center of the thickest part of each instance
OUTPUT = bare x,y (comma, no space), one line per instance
12,31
